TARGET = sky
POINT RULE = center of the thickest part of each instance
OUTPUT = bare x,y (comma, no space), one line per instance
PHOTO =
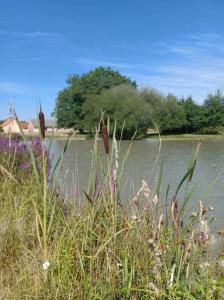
174,46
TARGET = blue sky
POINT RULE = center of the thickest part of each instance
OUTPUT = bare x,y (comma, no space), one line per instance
174,46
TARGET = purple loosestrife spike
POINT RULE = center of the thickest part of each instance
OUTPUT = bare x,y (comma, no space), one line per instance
105,139
42,124
19,150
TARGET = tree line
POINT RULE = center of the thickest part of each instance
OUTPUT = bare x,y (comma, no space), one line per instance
81,103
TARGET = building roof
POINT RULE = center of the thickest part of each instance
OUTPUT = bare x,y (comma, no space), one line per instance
23,124
7,122
49,123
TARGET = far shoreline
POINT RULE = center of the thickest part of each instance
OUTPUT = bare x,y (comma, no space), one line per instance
168,137
182,137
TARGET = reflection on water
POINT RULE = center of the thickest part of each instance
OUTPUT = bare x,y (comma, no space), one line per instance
175,156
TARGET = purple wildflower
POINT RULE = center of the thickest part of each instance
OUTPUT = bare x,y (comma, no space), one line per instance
18,152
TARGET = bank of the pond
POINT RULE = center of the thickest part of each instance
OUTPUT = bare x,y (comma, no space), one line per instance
176,137
83,137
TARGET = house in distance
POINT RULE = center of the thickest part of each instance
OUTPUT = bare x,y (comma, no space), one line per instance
10,125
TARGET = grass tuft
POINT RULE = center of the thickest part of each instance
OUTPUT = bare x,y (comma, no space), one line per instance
102,249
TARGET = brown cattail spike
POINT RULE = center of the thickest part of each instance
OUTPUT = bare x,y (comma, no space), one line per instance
42,124
105,139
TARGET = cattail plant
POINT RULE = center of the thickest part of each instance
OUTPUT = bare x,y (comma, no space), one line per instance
42,124
175,213
105,138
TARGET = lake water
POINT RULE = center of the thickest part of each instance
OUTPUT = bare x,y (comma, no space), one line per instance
175,156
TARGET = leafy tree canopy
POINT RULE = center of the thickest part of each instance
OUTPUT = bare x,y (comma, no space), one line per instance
214,110
68,110
194,115
80,104
170,115
122,105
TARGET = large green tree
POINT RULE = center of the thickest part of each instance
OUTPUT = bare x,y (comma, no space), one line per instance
122,105
69,102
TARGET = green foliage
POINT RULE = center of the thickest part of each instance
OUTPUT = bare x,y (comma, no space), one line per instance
70,100
214,110
194,115
171,116
101,250
152,97
81,103
122,105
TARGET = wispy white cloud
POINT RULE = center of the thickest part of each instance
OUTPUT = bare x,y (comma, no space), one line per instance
193,65
197,43
198,68
98,62
29,35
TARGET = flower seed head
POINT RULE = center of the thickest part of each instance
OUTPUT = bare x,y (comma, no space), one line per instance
42,124
105,139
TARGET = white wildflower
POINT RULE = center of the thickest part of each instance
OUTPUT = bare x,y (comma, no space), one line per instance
119,265
46,264
135,218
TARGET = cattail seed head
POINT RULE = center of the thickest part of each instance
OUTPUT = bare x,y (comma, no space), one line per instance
42,124
106,139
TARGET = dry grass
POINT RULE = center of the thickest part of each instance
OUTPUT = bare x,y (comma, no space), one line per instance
102,250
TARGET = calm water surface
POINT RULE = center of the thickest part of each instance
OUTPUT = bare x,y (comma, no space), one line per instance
175,156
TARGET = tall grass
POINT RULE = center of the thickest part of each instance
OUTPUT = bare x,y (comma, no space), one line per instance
102,250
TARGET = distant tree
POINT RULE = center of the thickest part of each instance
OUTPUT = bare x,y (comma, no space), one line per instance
68,109
152,97
171,115
155,101
122,105
214,110
194,114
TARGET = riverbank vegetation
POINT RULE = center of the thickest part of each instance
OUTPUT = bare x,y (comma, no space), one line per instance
96,245
81,103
